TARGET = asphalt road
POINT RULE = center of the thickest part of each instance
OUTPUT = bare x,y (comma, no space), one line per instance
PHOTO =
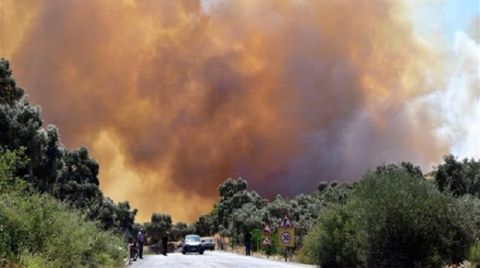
215,259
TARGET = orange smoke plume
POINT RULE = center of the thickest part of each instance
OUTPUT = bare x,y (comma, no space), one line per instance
173,97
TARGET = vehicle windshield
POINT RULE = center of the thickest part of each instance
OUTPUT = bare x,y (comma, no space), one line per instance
192,238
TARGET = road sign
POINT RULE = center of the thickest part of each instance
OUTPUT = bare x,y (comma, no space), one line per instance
286,223
286,237
266,236
286,233
266,230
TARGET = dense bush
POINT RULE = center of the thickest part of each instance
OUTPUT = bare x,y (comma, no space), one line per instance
407,222
205,225
38,231
158,227
474,254
333,242
395,218
458,177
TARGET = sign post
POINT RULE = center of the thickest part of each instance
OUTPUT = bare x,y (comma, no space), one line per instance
286,233
266,236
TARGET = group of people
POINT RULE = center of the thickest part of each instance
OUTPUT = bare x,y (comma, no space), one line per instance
135,245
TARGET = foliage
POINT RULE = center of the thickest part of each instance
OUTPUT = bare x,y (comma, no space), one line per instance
407,222
247,218
42,228
204,226
333,242
231,187
38,231
10,93
180,230
21,126
279,207
77,180
397,219
468,213
457,177
238,210
257,239
474,254
307,207
158,227
10,162
113,216
233,195
70,176
335,193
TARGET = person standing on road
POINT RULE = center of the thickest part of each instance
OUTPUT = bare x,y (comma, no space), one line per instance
132,250
140,242
248,243
165,243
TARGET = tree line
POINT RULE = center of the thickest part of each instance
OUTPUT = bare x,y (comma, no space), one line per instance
69,176
392,216
52,213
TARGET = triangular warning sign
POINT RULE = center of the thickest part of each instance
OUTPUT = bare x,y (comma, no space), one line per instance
286,223
266,229
266,241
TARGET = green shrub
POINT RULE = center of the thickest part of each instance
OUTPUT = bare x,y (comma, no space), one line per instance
474,254
34,261
470,214
37,229
458,177
333,241
407,222
394,218
10,162
257,239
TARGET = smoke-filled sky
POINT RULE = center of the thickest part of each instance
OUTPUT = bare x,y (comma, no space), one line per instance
173,97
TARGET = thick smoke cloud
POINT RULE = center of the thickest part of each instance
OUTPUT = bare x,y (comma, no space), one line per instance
173,97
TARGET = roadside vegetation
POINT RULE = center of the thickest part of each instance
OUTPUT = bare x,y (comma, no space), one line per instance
395,218
52,212
38,231
68,176
391,217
